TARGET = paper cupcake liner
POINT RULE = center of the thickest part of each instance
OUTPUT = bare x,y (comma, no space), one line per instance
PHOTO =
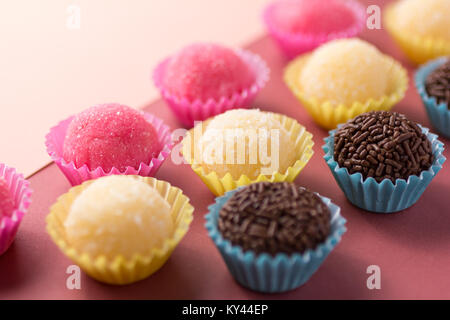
219,185
293,44
439,115
327,115
189,111
417,48
121,270
21,192
266,273
384,197
54,142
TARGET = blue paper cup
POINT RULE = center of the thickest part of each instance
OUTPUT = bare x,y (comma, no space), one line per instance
384,196
439,114
267,273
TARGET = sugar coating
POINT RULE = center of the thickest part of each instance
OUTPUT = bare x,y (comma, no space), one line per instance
425,18
206,70
346,71
110,135
118,215
313,16
237,132
6,200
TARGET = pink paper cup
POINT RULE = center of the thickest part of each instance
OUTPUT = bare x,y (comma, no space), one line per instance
189,111
294,44
21,192
54,142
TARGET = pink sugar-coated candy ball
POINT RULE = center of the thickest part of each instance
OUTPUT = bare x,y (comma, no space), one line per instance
6,200
313,16
110,135
204,70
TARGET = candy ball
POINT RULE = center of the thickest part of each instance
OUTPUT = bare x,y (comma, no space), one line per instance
246,142
110,135
424,18
275,217
437,84
344,72
313,16
204,70
6,200
118,215
382,145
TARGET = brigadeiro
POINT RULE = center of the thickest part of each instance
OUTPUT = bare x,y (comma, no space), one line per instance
392,157
205,79
109,139
274,236
433,84
382,145
438,84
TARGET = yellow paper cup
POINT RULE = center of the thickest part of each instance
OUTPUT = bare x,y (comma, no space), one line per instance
219,185
418,49
328,115
121,270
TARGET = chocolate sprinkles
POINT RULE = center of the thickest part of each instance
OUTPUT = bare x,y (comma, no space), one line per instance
275,217
382,145
437,84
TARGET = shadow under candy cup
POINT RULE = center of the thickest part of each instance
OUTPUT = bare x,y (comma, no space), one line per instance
54,142
327,115
219,185
188,111
384,197
121,270
439,114
21,193
271,274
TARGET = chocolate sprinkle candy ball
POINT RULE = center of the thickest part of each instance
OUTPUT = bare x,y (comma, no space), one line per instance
382,145
437,84
275,217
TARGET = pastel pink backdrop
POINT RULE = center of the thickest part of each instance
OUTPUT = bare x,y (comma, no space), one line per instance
50,71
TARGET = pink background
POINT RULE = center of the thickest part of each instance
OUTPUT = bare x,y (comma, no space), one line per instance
49,72
412,247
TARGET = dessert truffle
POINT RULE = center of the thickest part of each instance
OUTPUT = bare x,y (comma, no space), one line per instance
428,19
315,17
205,70
118,215
6,200
344,72
382,145
274,218
110,136
234,142
437,84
